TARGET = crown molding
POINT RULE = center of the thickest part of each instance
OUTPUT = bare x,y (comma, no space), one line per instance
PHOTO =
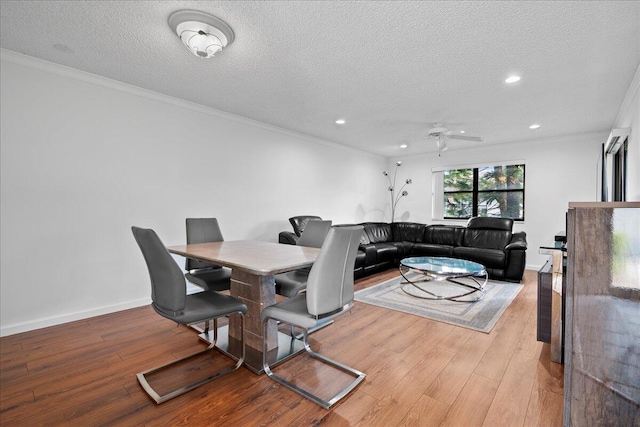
602,135
631,93
95,79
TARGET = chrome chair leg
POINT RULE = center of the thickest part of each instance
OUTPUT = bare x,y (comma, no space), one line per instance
359,376
177,392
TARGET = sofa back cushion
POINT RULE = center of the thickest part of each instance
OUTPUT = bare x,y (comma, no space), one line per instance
300,222
490,223
489,233
449,235
378,232
364,239
407,231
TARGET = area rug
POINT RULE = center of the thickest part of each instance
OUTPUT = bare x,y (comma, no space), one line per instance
481,315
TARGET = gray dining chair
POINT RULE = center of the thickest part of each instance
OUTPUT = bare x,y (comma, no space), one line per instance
170,300
291,283
206,275
329,294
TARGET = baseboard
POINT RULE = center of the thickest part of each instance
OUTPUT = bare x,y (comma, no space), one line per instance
65,318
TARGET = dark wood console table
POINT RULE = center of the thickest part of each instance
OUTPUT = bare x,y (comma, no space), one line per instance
551,298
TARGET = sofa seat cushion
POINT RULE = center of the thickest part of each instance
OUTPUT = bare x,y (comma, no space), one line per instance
384,252
490,258
428,249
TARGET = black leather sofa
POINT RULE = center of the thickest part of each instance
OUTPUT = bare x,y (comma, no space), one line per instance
488,241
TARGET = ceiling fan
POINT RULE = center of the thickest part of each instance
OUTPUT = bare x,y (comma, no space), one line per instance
440,135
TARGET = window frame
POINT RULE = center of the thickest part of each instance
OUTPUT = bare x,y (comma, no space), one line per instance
476,192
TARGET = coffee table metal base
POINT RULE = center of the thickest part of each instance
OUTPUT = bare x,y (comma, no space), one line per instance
475,287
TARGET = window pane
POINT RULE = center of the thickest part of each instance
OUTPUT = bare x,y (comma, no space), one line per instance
458,205
509,204
458,180
501,177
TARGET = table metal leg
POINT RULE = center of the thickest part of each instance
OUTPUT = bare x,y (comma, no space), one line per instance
256,292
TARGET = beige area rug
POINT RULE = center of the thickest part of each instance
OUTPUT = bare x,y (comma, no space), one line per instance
481,315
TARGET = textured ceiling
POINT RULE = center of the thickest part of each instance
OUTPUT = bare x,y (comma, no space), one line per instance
390,69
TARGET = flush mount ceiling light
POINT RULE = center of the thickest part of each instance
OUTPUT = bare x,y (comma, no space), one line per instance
340,121
512,79
203,34
534,126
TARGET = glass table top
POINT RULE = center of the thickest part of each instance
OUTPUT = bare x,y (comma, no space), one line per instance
442,265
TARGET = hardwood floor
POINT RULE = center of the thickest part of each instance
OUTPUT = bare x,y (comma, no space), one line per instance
419,373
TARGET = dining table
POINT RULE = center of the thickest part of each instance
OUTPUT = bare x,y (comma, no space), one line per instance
253,265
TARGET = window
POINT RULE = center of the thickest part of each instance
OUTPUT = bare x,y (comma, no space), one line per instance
484,190
620,173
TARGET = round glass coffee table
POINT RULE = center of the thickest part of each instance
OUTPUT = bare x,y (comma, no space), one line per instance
439,269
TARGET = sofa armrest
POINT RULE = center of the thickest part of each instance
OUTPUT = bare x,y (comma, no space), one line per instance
518,241
371,255
288,238
516,252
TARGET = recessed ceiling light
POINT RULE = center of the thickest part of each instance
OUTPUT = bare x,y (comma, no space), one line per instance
461,131
403,145
512,79
534,126
340,121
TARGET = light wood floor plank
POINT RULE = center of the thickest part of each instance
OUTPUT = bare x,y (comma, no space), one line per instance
447,386
509,407
472,404
399,399
426,412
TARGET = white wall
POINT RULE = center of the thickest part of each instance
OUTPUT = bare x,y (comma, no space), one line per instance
558,171
629,117
84,158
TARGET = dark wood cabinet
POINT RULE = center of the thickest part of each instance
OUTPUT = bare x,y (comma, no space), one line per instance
602,329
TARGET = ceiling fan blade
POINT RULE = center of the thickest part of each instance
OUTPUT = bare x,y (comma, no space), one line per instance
466,138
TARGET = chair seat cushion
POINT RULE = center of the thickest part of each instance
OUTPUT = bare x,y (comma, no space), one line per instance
204,306
294,311
291,283
217,279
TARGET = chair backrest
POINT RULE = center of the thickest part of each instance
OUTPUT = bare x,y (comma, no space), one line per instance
202,230
300,222
330,283
168,286
314,233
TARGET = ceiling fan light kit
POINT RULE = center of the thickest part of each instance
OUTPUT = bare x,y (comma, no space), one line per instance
203,34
